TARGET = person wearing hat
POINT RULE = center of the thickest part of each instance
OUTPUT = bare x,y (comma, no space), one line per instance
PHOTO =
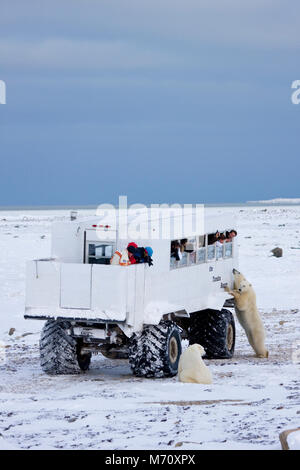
131,247
141,254
148,255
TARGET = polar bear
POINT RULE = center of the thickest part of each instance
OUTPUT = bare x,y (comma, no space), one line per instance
191,367
247,313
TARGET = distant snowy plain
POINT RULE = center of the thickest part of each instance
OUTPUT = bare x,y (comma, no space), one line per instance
249,403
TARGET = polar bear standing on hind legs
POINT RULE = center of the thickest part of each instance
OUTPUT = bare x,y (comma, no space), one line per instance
247,313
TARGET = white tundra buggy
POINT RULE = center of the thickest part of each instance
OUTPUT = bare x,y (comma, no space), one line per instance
136,312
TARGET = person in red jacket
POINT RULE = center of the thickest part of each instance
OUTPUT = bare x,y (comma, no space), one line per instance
140,254
131,252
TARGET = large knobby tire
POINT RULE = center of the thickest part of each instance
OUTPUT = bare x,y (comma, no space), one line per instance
59,352
215,331
156,351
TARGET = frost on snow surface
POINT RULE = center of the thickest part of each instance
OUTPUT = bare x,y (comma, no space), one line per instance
249,403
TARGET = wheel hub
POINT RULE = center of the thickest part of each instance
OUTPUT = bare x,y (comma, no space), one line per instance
229,338
173,350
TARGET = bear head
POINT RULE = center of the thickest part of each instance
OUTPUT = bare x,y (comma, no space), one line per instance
198,348
238,278
244,286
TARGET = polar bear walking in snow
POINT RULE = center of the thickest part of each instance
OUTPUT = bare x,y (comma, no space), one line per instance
191,367
247,313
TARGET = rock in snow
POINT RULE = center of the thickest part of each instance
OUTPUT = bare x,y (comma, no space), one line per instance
277,252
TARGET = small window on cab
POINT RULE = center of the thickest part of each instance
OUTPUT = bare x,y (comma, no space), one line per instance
99,253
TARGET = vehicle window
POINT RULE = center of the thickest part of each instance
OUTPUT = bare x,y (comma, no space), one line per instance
200,249
201,255
184,259
228,249
175,253
192,258
190,248
99,253
212,238
183,252
201,240
219,251
211,252
173,263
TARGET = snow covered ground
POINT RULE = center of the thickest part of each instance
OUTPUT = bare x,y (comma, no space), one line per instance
277,201
249,403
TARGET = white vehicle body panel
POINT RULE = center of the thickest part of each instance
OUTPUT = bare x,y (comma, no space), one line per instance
75,285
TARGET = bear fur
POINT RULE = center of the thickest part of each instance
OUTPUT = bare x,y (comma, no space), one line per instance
247,313
191,368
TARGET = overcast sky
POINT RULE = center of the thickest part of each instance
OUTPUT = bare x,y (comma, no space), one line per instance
163,101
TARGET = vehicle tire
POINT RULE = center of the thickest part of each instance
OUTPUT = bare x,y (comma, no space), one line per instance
156,351
215,331
59,352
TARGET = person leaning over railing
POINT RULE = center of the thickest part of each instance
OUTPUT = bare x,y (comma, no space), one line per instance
141,254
